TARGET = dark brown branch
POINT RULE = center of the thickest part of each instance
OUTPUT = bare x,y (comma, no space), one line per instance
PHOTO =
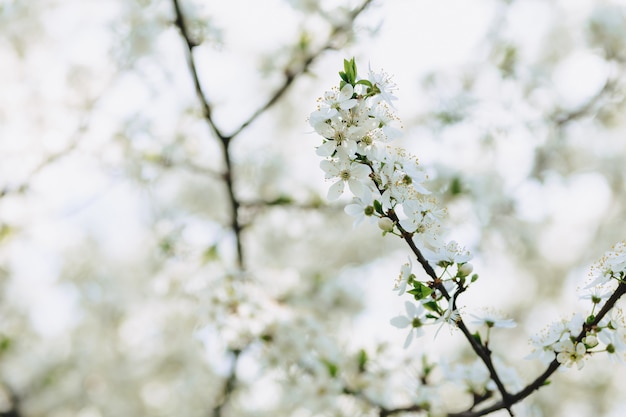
481,351
553,366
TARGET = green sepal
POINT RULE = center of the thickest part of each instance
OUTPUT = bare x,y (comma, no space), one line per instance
420,290
477,338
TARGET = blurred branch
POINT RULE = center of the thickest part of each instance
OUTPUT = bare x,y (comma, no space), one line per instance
226,140
230,384
562,118
291,75
23,186
14,409
207,110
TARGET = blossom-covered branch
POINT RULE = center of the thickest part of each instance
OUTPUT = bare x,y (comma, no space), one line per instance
388,186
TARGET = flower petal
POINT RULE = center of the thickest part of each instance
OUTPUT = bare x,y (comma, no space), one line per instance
335,191
400,322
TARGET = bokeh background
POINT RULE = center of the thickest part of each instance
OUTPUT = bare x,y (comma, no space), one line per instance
121,293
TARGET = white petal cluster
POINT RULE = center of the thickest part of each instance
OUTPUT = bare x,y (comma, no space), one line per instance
552,339
388,186
612,265
357,122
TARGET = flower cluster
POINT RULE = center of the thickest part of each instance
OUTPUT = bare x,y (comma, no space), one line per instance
357,123
387,186
571,341
612,265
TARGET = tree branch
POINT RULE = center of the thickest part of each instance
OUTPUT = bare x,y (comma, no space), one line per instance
553,366
226,140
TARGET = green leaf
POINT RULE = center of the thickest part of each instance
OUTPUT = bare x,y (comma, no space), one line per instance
333,369
477,338
474,278
5,343
456,187
5,231
365,82
590,319
349,72
420,290
362,358
281,200
210,254
432,306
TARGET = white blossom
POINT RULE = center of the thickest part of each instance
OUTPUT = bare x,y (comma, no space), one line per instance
414,319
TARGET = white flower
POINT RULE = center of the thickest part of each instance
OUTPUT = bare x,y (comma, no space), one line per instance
353,173
414,319
450,316
360,209
452,253
405,276
373,145
339,138
611,265
544,343
385,85
474,376
385,120
344,100
570,353
596,294
491,318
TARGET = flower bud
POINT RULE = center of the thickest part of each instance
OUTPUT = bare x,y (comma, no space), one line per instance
385,224
590,341
465,269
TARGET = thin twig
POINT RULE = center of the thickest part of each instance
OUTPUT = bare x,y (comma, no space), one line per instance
208,116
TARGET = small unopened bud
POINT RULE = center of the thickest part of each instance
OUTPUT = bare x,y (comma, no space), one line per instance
590,341
386,224
465,269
